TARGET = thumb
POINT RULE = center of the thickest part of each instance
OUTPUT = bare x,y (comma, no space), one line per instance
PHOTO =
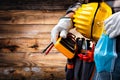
54,36
63,33
113,34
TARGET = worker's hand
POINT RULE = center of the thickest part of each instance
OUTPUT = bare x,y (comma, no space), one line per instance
61,29
112,25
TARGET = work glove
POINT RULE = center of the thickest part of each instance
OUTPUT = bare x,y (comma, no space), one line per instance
61,29
112,25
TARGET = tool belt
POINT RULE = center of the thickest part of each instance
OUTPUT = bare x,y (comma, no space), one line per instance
79,54
74,46
81,65
89,18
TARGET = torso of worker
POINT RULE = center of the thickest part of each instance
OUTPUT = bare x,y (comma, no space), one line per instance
114,4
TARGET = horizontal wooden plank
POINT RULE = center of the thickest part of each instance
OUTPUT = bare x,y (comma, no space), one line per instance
35,4
27,45
30,17
25,30
33,7
24,35
19,66
32,58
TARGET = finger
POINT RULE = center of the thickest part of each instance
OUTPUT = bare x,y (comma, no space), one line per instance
115,28
108,20
118,25
117,22
109,30
54,36
63,33
113,34
108,25
53,39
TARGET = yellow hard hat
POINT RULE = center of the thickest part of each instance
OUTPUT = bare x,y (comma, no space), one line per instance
88,19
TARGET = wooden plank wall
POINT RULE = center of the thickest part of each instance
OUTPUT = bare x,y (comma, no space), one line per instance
35,4
26,30
25,27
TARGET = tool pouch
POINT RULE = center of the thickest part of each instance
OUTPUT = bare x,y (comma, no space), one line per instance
69,69
86,52
67,46
84,64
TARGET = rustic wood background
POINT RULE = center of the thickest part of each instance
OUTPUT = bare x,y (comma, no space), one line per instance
25,27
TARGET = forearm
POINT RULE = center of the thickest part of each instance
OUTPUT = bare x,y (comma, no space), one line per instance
71,10
73,7
70,15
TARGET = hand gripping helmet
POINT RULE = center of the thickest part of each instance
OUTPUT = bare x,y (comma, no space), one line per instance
88,19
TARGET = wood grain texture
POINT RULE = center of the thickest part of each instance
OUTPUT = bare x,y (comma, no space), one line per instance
22,66
22,45
35,4
25,30
25,27
30,17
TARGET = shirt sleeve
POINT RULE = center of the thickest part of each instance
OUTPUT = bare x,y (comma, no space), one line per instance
73,7
114,4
